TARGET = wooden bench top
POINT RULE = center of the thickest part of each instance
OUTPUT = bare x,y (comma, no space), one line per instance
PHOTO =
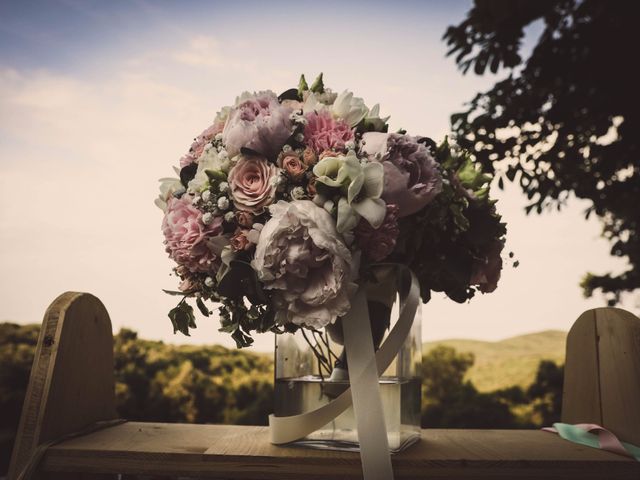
226,451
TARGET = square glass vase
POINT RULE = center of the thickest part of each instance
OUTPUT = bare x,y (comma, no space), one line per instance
311,370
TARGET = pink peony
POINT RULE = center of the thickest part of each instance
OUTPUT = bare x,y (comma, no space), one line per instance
197,147
303,261
323,132
259,123
187,238
251,185
411,175
378,243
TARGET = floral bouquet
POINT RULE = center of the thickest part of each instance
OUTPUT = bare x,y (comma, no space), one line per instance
286,203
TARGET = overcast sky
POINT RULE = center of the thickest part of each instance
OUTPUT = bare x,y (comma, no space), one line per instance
100,99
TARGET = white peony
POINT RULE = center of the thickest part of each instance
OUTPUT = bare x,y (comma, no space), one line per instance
303,260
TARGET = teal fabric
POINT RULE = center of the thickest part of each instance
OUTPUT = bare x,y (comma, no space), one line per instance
578,435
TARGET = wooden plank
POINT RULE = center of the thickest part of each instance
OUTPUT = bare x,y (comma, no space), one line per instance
71,383
215,451
581,389
619,355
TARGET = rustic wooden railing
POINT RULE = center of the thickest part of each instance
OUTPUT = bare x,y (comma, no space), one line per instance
72,387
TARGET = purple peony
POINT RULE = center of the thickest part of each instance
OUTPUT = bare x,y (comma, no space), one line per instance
258,122
411,175
378,243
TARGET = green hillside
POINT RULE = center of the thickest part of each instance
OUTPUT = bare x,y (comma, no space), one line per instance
509,362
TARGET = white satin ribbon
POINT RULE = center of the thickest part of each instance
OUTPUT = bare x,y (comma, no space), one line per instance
364,367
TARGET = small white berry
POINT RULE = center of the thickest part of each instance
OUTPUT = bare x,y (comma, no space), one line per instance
207,218
208,282
223,203
297,193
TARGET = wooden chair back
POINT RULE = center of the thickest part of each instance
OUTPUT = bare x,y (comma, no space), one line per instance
71,384
602,372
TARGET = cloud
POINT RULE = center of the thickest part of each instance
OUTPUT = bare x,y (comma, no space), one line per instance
201,51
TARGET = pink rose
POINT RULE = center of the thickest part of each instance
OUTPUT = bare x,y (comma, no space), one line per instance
197,147
239,241
411,175
323,132
244,219
259,123
187,239
378,243
293,166
250,183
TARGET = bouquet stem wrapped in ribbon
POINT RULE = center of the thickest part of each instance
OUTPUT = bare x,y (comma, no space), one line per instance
283,210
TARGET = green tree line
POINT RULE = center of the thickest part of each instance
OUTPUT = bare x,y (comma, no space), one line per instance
213,384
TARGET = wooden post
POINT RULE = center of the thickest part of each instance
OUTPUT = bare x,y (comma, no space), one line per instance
602,372
71,384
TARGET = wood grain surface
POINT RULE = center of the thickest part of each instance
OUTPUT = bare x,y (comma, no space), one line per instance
224,451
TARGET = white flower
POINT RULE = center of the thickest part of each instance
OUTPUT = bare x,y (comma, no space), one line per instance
303,260
208,282
223,187
373,118
206,196
168,187
360,186
351,109
229,216
209,160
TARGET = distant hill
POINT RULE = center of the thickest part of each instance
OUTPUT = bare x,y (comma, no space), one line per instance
509,362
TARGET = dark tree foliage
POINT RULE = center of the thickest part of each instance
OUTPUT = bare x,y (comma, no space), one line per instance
565,120
451,402
545,393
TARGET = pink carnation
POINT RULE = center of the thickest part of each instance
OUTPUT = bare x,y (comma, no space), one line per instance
378,243
197,147
323,132
187,238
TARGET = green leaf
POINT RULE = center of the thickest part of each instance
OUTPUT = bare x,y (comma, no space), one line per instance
216,175
302,86
318,85
182,318
202,307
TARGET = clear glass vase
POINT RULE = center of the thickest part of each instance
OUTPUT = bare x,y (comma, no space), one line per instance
311,370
